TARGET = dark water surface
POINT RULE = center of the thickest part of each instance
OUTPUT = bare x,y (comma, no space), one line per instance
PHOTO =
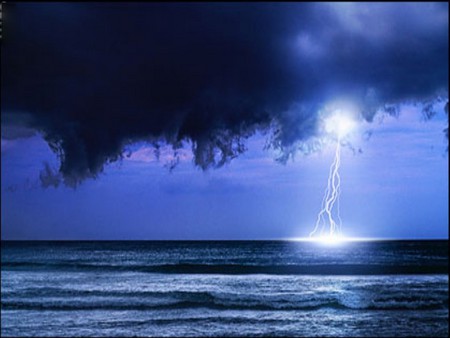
224,288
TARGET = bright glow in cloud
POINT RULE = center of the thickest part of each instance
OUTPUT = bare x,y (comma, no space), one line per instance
339,124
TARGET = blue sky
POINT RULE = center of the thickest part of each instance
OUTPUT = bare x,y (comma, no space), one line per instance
396,188
102,85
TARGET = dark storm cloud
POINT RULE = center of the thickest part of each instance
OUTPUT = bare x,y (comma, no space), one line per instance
14,126
96,77
48,177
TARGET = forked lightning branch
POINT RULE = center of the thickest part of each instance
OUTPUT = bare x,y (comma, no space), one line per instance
329,223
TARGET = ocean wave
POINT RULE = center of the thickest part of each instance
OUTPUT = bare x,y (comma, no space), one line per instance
237,269
150,300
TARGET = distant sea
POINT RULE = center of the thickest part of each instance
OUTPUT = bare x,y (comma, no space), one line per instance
224,288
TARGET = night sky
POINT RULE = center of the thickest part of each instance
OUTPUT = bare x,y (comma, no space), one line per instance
205,121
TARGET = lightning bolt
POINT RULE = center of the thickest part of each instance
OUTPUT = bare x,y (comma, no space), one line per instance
326,225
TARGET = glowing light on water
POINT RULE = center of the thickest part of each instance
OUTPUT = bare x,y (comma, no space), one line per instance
334,241
328,226
330,240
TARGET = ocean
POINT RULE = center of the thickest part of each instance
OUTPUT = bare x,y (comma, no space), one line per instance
224,288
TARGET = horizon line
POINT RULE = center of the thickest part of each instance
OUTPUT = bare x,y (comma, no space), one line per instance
289,239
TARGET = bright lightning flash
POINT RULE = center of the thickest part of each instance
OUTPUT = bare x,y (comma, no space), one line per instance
329,223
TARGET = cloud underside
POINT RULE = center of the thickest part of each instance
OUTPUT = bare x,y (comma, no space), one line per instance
93,78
